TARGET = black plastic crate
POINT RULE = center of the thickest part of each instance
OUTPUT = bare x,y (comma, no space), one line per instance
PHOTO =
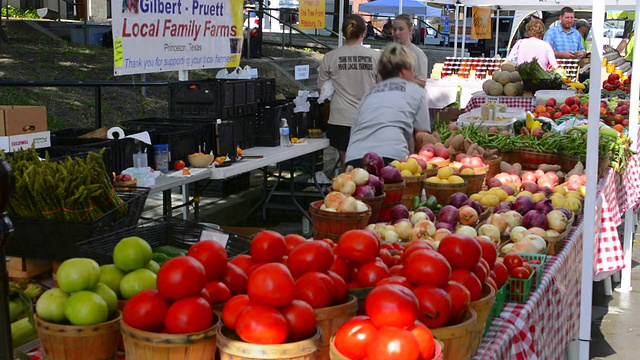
268,121
60,153
265,89
223,188
160,232
206,134
182,139
249,131
199,98
238,131
238,97
56,240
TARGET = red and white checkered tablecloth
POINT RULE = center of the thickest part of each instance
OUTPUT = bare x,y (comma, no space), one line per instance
543,326
520,102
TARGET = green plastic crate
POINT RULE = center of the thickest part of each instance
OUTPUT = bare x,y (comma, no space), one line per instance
498,306
538,269
518,290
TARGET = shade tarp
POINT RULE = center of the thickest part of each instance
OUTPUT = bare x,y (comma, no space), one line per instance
408,7
546,5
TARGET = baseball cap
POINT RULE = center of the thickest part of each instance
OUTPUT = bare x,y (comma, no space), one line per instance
581,23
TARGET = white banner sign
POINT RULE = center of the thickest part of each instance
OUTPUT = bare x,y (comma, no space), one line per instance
170,35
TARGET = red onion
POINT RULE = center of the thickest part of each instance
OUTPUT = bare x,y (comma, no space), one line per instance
544,205
376,184
445,225
535,218
364,191
390,175
456,199
449,214
523,205
373,163
399,212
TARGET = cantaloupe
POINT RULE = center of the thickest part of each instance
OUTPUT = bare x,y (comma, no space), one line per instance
487,84
495,89
511,89
508,66
520,86
515,76
503,77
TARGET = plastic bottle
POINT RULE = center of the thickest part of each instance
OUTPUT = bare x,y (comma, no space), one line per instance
162,157
284,133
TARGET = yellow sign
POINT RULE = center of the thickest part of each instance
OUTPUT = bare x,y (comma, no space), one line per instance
481,28
312,14
118,56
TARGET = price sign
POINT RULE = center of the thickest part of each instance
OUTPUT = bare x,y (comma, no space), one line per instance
302,72
213,235
494,99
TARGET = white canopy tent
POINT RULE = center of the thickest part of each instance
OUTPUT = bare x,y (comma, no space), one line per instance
599,8
400,6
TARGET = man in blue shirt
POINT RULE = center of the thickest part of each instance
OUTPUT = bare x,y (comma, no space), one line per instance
564,39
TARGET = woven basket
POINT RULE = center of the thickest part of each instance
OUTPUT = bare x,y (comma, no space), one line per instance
443,192
393,197
332,225
494,167
433,171
532,158
412,188
474,182
315,133
375,203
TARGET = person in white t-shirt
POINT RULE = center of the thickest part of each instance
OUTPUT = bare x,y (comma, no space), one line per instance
353,70
391,112
402,32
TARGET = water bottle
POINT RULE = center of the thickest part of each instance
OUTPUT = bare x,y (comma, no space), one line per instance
284,133
162,157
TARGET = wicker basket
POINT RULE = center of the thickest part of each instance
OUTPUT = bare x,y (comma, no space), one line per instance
494,167
232,348
412,188
330,318
532,158
457,338
393,197
332,225
474,182
315,133
375,203
433,171
443,192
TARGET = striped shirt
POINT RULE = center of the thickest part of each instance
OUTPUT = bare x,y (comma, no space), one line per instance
562,41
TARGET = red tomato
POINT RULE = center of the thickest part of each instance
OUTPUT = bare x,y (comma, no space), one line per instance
259,324
486,266
204,293
397,270
502,273
435,305
353,271
310,256
340,267
358,246
243,261
255,266
271,285
492,283
392,305
293,240
371,273
386,257
462,251
400,280
425,339
489,250
232,308
415,246
268,246
470,281
235,279
212,256
181,277
425,267
393,343
460,299
512,261
527,266
218,291
397,259
481,272
353,337
188,315
316,288
520,273
146,310
301,320
340,288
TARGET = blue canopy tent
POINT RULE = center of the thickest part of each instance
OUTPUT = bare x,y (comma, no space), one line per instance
392,7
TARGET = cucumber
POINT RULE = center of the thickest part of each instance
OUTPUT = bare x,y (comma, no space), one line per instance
170,251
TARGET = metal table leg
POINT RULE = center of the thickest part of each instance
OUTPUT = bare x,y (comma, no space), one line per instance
166,203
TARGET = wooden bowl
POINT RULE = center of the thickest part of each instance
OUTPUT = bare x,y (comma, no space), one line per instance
200,160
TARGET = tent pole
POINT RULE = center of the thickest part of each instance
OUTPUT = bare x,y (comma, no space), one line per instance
340,20
464,30
399,7
497,28
455,37
630,216
592,183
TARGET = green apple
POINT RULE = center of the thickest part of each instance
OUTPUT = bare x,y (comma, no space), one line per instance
50,306
132,253
78,274
86,308
136,281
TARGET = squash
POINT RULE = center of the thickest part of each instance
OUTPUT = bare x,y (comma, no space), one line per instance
508,66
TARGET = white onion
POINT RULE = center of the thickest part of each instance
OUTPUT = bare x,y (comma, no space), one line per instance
348,187
371,227
538,231
557,220
508,248
361,207
389,227
323,207
514,218
466,230
334,199
330,210
360,176
490,231
348,205
499,220
418,216
427,225
528,247
403,229
440,234
339,180
517,233
391,236
552,233
537,241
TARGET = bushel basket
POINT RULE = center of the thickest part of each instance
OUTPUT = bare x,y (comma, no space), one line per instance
332,225
160,232
56,240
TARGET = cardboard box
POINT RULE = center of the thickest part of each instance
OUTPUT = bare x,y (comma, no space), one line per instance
20,120
17,142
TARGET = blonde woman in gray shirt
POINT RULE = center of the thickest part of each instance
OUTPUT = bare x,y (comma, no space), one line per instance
402,32
353,70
